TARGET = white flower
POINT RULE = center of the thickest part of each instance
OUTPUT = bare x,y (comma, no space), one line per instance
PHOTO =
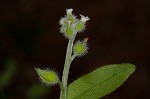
84,19
69,11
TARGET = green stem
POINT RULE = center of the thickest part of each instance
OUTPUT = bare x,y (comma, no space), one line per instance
73,56
60,84
67,64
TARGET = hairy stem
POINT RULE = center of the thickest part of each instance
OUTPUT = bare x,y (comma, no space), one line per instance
67,64
73,56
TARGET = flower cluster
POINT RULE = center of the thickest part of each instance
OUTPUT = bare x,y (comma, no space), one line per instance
71,25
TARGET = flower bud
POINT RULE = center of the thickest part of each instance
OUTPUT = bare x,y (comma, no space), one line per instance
69,11
80,25
67,24
48,77
84,19
80,48
70,17
69,31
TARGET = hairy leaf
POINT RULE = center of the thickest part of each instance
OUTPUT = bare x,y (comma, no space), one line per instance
100,82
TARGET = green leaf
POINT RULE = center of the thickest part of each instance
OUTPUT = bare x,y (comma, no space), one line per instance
100,82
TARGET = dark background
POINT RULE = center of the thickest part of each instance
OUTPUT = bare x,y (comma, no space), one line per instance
118,32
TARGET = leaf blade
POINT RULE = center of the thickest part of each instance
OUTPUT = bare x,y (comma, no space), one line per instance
99,82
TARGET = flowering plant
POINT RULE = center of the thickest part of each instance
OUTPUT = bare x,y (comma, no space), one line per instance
94,85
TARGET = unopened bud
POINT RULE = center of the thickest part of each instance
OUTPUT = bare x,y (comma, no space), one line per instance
69,31
80,48
48,77
70,17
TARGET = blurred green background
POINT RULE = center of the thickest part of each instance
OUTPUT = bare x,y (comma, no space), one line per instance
118,32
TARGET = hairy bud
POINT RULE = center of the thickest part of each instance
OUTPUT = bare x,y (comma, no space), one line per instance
48,77
80,25
80,48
